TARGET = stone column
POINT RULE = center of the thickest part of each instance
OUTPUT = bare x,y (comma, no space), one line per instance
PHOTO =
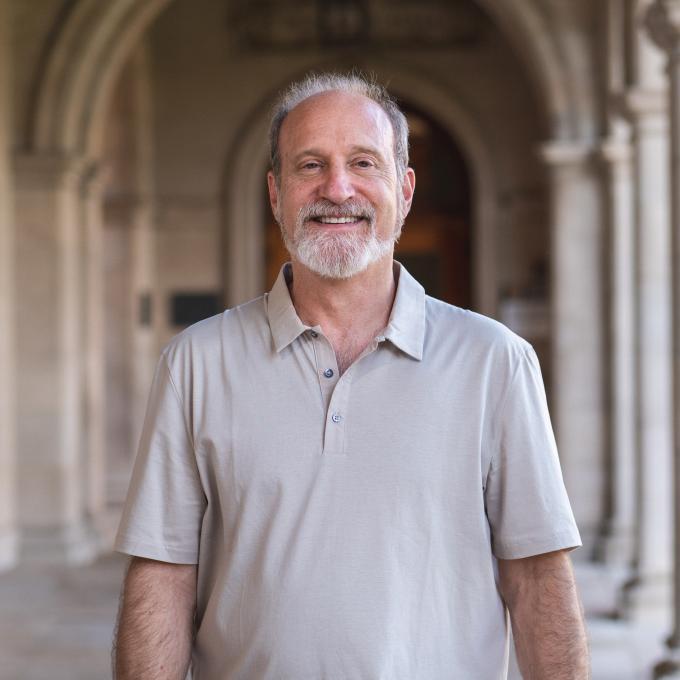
49,349
93,453
130,221
577,329
7,441
146,299
133,353
144,303
647,594
663,20
616,547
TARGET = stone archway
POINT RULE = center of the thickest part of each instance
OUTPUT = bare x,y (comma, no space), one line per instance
555,65
72,91
55,180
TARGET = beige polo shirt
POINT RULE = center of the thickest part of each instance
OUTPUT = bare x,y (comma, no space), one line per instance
346,527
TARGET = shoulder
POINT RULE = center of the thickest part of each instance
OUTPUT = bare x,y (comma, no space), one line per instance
207,339
473,333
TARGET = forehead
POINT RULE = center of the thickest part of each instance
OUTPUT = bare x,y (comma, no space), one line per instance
336,120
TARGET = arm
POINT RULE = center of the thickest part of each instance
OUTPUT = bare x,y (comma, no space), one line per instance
546,615
156,621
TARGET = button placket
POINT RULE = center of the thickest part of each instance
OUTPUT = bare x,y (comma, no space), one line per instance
336,416
335,390
325,366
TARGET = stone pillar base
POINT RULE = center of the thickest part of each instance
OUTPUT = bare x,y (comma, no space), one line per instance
77,544
600,588
648,600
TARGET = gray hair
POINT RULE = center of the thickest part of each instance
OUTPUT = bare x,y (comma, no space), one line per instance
314,84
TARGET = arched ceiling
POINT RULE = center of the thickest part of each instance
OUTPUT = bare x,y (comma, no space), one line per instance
96,38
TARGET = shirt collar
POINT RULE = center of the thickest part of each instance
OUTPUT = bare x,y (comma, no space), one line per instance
405,329
284,322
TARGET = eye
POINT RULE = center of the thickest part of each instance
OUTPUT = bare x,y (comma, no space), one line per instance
310,165
364,163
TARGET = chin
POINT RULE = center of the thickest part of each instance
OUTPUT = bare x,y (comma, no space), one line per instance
343,263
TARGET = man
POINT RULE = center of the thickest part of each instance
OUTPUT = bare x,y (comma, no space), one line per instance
346,479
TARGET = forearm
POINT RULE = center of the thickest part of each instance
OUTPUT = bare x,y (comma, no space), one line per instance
155,626
547,620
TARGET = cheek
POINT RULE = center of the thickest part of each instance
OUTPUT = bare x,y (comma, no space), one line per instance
292,200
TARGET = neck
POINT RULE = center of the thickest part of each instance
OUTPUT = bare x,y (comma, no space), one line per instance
353,309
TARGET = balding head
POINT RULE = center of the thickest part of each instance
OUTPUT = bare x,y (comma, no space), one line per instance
315,84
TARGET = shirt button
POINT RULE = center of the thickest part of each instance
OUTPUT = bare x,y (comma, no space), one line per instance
314,334
336,417
328,372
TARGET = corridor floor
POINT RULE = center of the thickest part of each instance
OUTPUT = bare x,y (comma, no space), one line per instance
56,623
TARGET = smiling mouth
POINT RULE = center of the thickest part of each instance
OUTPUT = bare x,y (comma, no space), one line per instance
338,220
331,216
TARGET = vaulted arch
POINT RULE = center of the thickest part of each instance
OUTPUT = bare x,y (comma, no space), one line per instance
94,39
93,42
553,64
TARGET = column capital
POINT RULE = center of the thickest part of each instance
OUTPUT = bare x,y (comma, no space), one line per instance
663,24
565,152
616,148
615,151
637,102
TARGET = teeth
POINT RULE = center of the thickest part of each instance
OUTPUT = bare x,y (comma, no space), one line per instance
337,220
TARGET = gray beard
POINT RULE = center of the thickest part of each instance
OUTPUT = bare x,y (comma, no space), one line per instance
336,255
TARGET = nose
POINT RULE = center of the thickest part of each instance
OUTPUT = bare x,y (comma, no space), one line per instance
337,184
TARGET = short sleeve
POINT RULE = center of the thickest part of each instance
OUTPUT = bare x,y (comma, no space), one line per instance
526,501
164,508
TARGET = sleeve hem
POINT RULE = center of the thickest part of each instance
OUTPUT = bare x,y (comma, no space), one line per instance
515,550
152,551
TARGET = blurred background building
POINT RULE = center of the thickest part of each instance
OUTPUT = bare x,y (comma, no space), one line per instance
132,203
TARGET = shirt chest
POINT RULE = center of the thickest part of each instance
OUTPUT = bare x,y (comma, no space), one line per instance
292,422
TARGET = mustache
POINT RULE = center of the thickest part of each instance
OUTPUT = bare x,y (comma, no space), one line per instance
317,209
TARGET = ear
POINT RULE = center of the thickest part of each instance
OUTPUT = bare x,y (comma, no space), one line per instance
273,194
408,187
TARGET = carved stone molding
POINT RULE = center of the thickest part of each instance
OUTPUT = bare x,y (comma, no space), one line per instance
281,25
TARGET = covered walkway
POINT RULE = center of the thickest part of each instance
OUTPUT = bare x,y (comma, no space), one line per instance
57,624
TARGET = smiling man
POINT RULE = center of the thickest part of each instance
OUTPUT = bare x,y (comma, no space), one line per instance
346,479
